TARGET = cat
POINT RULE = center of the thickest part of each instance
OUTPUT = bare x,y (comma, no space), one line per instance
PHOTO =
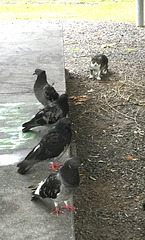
99,65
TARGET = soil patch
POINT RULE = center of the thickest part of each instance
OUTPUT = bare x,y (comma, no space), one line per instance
109,128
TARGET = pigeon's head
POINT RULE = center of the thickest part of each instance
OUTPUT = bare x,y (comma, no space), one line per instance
63,98
73,162
38,71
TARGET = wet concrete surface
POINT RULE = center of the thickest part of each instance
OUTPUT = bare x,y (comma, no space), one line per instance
25,46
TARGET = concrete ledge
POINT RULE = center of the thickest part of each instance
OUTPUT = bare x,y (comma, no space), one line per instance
25,46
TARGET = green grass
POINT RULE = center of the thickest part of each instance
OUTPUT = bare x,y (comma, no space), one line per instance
111,10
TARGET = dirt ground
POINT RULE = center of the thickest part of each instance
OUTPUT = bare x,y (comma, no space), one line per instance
109,128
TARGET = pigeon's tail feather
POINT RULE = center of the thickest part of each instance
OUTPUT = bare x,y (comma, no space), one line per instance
24,166
28,125
35,190
22,170
34,197
33,187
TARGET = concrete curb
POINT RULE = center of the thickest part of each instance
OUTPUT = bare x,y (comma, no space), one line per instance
25,46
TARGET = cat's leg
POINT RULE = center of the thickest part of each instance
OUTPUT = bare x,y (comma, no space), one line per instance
98,75
91,74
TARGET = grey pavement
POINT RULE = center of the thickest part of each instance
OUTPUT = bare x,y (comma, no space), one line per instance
25,46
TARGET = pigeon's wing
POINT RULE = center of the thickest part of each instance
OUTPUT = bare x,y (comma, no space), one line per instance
43,116
53,114
55,144
48,115
39,93
50,93
38,120
51,186
39,86
52,145
45,148
30,160
55,111
30,124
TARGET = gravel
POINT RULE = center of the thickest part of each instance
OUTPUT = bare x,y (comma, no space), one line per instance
109,128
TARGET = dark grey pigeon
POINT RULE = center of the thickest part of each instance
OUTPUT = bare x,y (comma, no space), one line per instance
52,146
61,185
50,114
44,92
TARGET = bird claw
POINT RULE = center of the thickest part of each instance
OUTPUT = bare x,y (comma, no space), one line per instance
57,211
69,208
54,166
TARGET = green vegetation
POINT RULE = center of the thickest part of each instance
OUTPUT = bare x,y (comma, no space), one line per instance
102,10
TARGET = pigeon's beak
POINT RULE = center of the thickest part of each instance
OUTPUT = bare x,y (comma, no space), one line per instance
34,73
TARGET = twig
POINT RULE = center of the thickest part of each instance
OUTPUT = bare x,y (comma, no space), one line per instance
139,103
117,110
105,110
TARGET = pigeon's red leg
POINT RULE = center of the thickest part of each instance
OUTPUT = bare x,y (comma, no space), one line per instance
68,207
57,211
54,166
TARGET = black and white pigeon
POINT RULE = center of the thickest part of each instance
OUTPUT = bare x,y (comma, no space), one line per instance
44,92
61,185
50,114
52,146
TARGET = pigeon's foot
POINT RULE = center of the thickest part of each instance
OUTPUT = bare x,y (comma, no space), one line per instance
57,211
69,208
54,166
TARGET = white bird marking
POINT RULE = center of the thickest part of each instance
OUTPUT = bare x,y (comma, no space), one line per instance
38,146
39,186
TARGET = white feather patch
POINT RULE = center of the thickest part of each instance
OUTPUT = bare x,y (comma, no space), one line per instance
38,146
39,186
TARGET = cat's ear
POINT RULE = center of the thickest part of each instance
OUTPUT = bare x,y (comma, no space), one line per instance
100,58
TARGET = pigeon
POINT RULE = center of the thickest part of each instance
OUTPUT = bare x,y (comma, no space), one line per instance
50,114
52,146
44,92
60,185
